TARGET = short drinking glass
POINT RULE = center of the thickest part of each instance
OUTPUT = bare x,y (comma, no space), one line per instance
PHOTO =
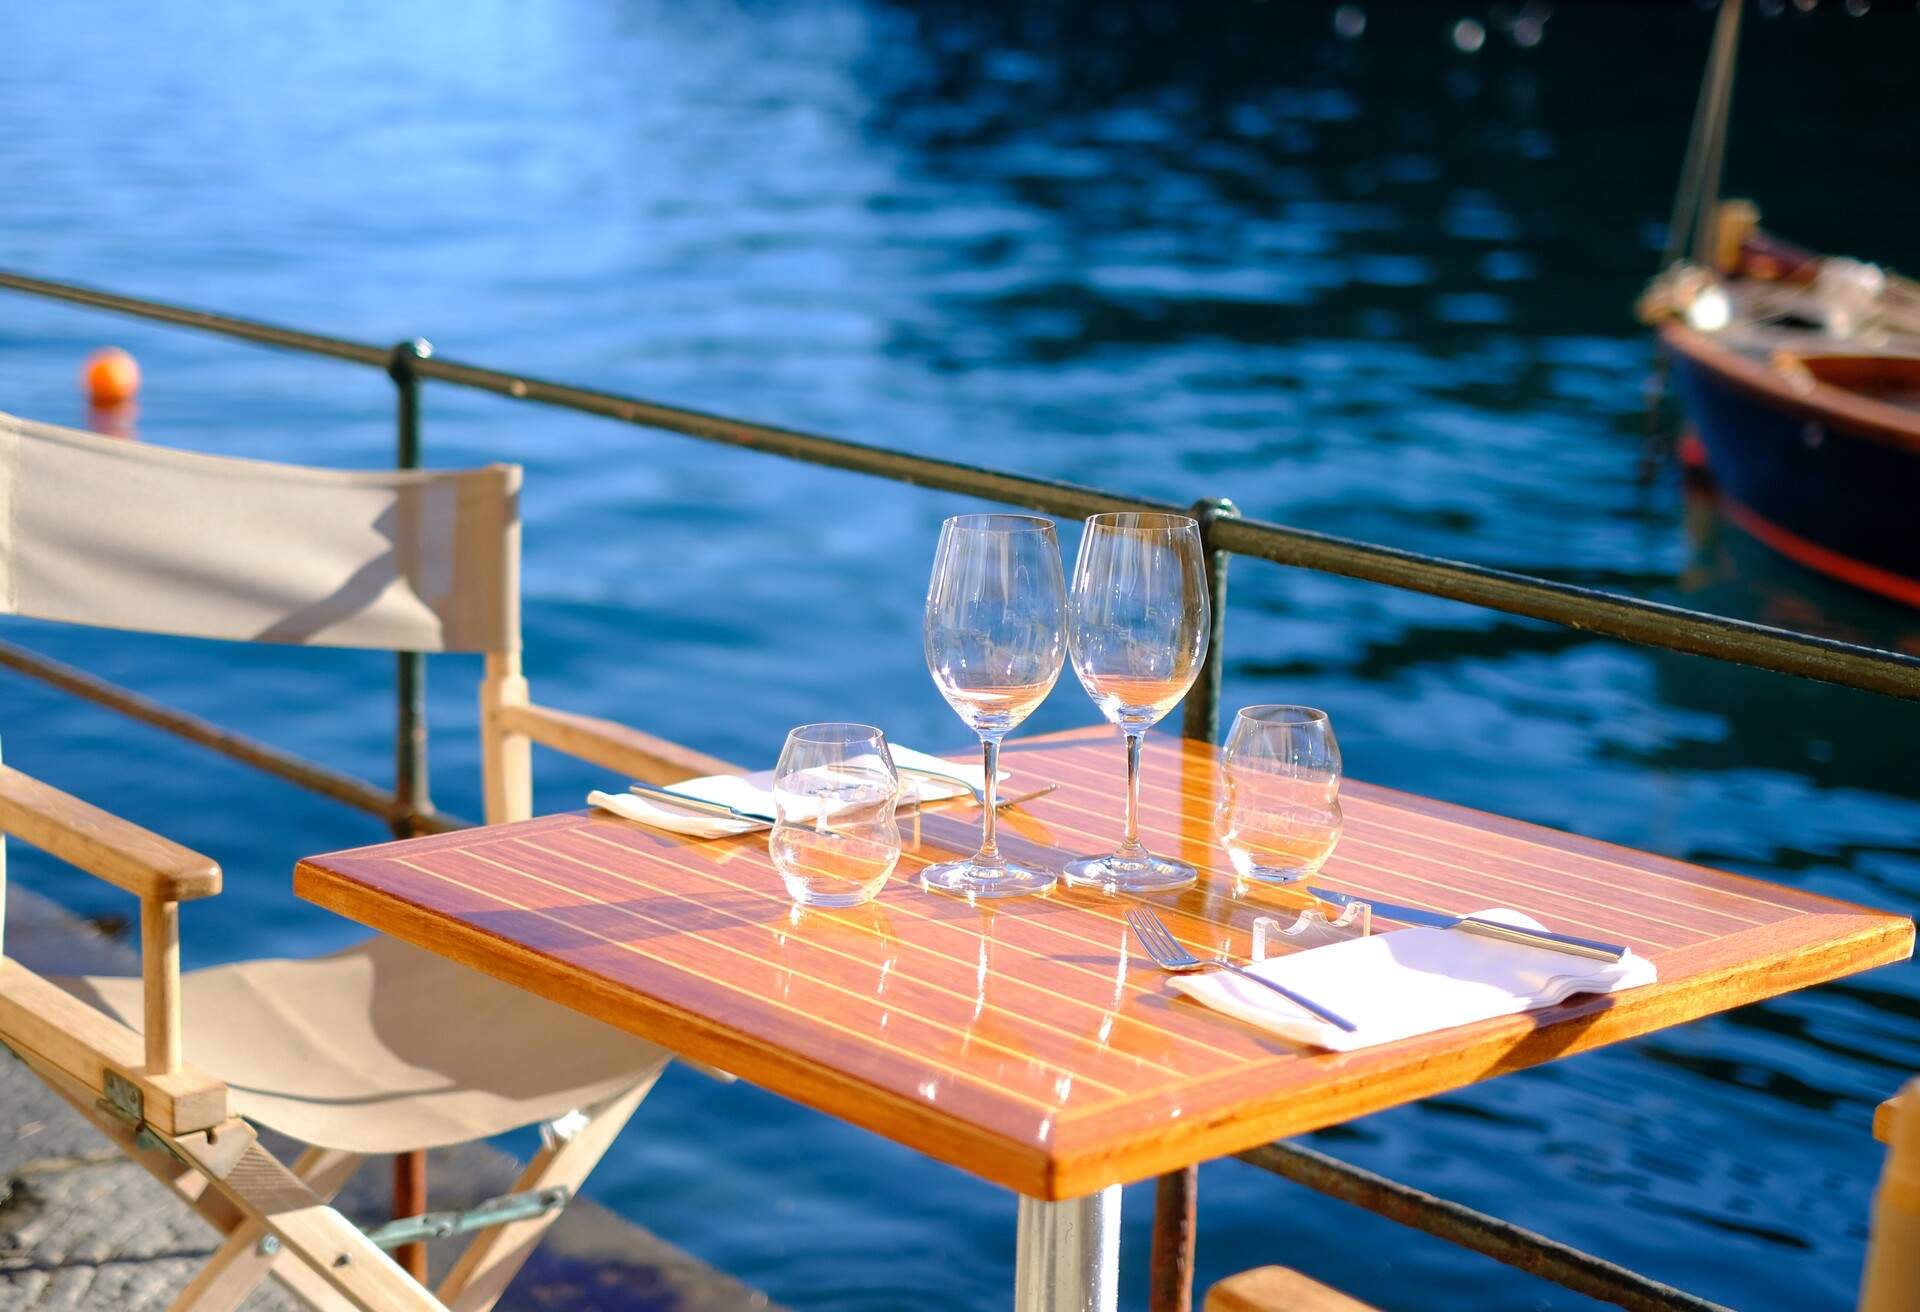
1279,815
1137,622
995,642
834,791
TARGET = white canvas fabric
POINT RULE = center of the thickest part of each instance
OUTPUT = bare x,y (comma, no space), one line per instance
99,530
385,1047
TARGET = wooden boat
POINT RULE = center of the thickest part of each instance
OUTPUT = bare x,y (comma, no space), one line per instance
1799,373
1800,379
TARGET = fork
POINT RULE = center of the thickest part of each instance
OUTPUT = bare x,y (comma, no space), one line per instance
1170,955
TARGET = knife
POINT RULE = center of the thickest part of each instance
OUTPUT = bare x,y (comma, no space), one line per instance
1535,938
720,809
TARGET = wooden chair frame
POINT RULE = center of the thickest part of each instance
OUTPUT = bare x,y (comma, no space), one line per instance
173,1118
445,575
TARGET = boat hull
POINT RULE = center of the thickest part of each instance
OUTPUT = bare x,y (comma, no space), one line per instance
1827,484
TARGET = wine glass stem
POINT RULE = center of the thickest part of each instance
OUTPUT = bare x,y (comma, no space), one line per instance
1131,846
989,853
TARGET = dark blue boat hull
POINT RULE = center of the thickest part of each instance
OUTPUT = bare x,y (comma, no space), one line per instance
1835,500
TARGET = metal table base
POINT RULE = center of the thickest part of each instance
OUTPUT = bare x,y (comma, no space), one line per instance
1068,1255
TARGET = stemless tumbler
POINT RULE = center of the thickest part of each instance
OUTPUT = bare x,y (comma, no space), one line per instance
996,607
834,791
1279,814
1137,624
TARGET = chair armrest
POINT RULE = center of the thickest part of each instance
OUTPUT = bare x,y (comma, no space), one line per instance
45,1024
614,746
101,843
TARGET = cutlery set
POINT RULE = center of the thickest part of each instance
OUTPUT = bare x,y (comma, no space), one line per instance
1174,957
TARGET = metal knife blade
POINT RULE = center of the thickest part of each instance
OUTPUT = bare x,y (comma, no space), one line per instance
1541,938
702,804
724,811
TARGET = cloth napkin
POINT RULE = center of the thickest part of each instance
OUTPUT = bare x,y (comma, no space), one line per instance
1411,981
754,792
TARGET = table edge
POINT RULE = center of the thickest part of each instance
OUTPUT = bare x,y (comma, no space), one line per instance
1083,1161
1080,1160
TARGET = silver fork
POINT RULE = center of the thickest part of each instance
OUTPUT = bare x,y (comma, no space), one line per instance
979,794
1170,955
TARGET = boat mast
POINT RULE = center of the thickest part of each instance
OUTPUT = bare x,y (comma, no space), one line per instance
1698,197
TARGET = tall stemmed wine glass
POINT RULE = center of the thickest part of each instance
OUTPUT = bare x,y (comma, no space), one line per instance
1137,624
995,639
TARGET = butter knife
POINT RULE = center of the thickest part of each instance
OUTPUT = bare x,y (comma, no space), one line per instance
725,812
720,809
1535,938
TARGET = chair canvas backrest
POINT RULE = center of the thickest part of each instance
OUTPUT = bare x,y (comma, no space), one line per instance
102,531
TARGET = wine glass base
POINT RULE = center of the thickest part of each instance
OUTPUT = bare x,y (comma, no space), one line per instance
965,879
1117,874
807,894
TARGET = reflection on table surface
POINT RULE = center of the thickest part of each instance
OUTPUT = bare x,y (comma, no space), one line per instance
1028,1040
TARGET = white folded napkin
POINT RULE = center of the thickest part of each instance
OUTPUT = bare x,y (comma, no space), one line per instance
753,792
1411,981
731,789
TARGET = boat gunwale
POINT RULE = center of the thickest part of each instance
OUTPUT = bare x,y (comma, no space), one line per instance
1850,414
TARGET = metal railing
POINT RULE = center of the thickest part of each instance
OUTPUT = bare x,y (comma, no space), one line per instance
1225,534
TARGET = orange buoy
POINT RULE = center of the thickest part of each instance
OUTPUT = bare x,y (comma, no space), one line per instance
112,377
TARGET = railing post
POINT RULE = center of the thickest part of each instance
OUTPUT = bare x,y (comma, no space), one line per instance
409,766
1203,699
1176,1194
410,786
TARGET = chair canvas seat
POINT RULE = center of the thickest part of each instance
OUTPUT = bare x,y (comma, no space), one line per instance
386,1048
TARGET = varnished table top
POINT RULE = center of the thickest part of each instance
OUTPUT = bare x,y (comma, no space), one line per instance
1025,1041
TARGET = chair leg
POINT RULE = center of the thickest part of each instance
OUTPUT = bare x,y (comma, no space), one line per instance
238,1266
410,1199
324,1258
351,1271
305,1284
187,1184
345,1259
193,1188
495,1256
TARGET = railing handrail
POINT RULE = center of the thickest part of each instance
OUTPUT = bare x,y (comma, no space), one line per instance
1605,614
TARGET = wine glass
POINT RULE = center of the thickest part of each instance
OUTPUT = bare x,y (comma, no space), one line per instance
1279,815
835,840
995,642
1137,625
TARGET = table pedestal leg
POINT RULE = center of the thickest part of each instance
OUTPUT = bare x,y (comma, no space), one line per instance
1068,1256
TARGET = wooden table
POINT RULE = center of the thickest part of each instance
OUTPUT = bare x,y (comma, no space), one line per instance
1026,1041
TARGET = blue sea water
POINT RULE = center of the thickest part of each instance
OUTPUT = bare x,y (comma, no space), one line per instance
1377,287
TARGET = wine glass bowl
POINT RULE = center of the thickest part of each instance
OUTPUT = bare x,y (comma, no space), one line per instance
835,840
1138,619
995,644
1279,813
